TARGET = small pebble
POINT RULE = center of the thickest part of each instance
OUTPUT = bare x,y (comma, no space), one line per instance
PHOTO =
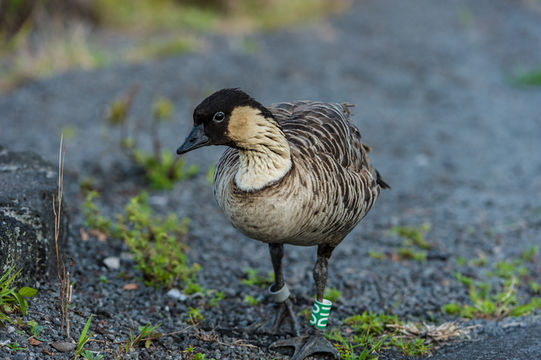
63,346
112,262
177,294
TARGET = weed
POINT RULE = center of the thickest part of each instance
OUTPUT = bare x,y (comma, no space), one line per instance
83,339
370,323
376,255
89,355
356,347
363,336
35,330
251,300
87,184
254,279
11,299
530,253
332,294
410,254
162,169
535,287
414,235
414,347
93,217
14,346
528,78
193,288
146,333
496,297
481,260
452,309
194,316
210,174
216,298
460,261
506,269
156,242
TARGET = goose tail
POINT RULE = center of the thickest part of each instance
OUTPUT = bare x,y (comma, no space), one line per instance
380,181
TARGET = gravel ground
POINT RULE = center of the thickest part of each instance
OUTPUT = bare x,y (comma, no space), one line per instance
457,141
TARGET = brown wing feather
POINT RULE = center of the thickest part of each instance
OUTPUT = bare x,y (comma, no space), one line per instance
325,128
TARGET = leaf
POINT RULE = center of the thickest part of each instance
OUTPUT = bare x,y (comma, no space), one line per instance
130,286
84,338
148,343
27,291
34,342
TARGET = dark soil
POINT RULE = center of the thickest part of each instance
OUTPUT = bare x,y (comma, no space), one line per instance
456,139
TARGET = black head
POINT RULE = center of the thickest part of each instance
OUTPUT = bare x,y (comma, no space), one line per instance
213,123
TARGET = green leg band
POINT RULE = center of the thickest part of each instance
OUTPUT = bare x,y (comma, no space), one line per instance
320,313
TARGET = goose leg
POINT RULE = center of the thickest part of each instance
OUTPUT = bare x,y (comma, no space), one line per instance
314,342
279,293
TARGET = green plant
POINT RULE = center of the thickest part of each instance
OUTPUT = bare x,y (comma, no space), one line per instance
251,300
83,339
89,355
481,260
413,347
93,217
363,336
356,347
156,242
254,279
528,78
194,316
414,235
164,170
146,333
210,174
193,288
216,298
35,329
332,294
496,297
530,253
376,255
11,299
370,323
14,346
410,254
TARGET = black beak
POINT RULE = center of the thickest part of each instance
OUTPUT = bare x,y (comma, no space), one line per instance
195,140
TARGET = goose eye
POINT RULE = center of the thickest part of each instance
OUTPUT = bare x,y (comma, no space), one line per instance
219,116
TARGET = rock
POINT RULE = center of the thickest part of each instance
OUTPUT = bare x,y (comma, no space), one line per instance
176,294
63,346
27,185
112,262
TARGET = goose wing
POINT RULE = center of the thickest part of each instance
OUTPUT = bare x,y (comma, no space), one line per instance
323,128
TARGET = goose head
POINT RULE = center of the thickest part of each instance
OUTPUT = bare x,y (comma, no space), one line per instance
229,117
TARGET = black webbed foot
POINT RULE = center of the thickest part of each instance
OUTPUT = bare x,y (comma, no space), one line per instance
273,325
307,345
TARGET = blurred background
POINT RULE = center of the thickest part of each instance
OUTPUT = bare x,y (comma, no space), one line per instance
43,38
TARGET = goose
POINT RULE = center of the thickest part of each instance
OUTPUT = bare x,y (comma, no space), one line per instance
293,173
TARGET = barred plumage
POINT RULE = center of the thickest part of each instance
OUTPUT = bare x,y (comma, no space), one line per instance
329,189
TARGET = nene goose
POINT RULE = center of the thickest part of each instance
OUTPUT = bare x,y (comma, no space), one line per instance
294,173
